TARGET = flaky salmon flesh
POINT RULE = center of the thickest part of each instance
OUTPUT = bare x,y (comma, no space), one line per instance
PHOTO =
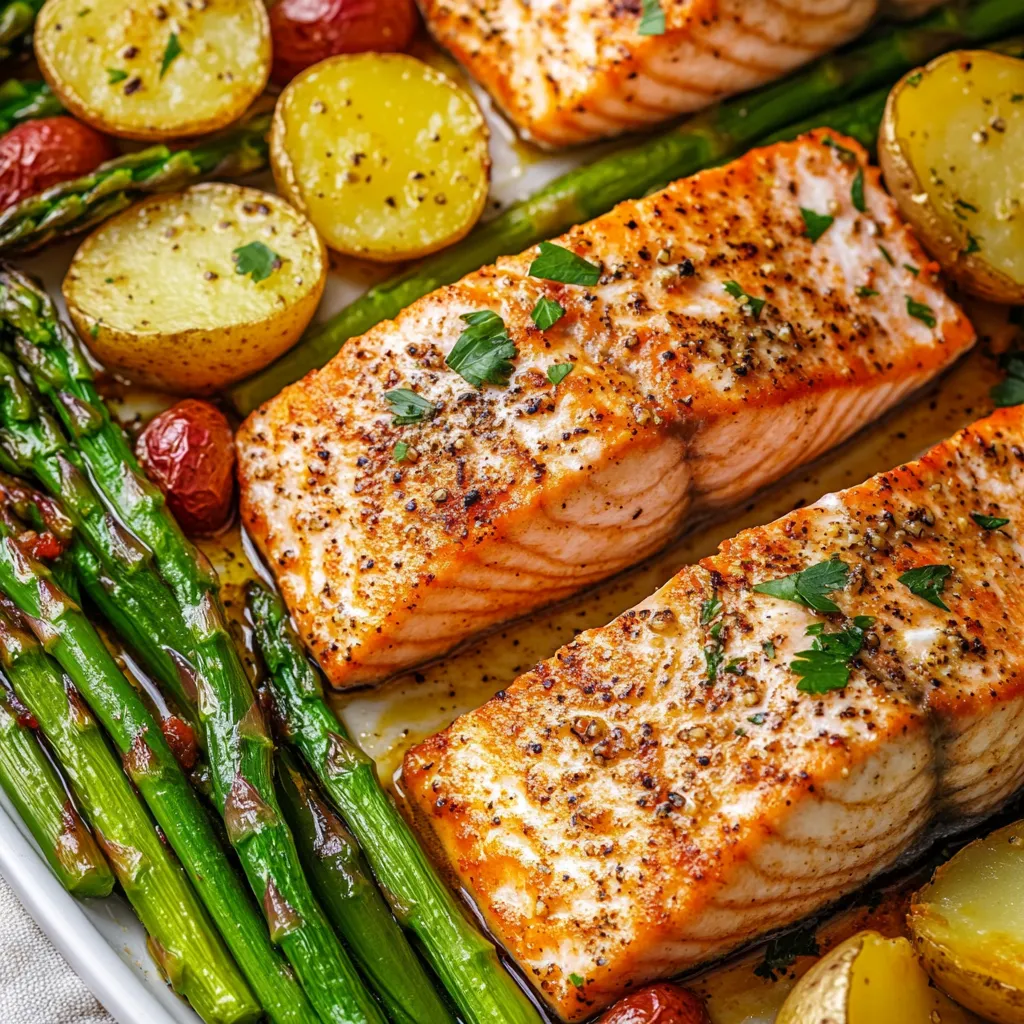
579,70
686,394
722,760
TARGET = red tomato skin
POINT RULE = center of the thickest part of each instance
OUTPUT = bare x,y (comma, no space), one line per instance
37,154
305,32
188,451
658,1004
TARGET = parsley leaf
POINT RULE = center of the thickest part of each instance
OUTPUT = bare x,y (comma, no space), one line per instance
547,312
652,21
556,263
864,292
928,582
713,658
780,953
915,78
815,223
1011,390
826,665
257,260
172,51
755,305
558,372
914,270
857,191
408,407
888,255
576,980
769,648
709,609
400,451
115,75
919,311
809,586
987,522
973,245
845,154
756,719
482,353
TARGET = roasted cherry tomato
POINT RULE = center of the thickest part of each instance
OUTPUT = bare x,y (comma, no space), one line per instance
189,453
658,1004
37,154
307,31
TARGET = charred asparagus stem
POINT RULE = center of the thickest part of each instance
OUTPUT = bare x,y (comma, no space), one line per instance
236,737
181,936
26,101
33,786
342,881
72,206
464,960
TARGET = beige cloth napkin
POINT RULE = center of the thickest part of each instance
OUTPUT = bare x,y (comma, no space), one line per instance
36,984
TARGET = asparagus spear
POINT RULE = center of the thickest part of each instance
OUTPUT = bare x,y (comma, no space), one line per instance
26,101
465,961
350,897
33,786
589,191
186,945
72,206
236,736
16,20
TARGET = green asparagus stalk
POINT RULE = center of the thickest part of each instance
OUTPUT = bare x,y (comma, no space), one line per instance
33,786
236,736
26,101
342,881
697,143
464,960
73,206
16,20
184,941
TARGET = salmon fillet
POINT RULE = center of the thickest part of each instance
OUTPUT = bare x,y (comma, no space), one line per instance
683,397
623,812
580,70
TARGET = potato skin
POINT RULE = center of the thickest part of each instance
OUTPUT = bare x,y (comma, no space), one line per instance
658,1004
37,154
188,451
305,32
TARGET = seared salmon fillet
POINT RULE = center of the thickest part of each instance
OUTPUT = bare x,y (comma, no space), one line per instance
687,778
720,348
581,70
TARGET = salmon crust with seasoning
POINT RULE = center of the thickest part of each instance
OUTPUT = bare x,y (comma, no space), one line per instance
743,322
587,69
729,755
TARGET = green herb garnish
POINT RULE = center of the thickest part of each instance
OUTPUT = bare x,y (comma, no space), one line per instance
547,312
987,522
781,953
576,980
482,353
115,75
171,52
769,648
408,407
919,311
928,582
556,263
1011,390
826,665
400,452
886,254
652,21
709,609
810,586
816,223
857,191
973,245
754,304
558,372
257,260
864,292
844,153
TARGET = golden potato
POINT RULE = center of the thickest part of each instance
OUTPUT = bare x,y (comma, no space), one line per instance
192,291
952,146
869,979
968,925
156,69
387,156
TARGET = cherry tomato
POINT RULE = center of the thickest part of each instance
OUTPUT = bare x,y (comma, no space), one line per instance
37,154
189,453
658,1004
306,31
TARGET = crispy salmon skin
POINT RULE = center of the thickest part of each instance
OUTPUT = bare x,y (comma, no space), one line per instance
743,321
672,785
584,69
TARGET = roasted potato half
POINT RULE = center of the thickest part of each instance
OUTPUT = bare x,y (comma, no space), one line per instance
191,291
386,155
869,979
968,925
952,148
154,70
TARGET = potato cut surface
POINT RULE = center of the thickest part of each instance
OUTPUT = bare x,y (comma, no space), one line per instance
155,70
387,156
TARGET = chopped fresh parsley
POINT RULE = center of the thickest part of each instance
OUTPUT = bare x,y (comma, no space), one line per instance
919,311
987,522
1010,391
864,292
558,372
115,75
757,719
408,407
886,254
964,205
816,224
576,980
928,582
826,665
547,312
973,245
750,302
857,191
257,260
810,586
844,153
400,451
652,21
737,667
914,270
482,353
915,78
171,52
556,263
713,658
709,609
780,953
769,648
